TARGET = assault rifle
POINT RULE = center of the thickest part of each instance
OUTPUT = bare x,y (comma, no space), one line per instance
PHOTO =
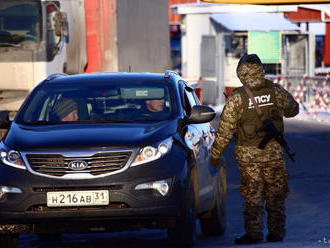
272,133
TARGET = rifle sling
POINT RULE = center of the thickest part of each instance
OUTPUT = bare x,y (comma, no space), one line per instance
256,107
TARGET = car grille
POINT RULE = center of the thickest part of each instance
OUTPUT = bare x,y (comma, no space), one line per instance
98,164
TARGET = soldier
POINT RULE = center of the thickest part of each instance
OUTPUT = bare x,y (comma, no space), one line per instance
262,171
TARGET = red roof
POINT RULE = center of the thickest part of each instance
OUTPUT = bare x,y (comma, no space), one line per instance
176,18
304,15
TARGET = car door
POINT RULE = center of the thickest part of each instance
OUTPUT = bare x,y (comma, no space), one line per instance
201,148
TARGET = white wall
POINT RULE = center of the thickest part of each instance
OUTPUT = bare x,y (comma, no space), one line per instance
230,77
192,28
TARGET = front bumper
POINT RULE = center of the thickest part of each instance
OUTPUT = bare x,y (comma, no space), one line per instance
127,206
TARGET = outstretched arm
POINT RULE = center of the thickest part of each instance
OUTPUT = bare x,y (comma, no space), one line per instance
227,126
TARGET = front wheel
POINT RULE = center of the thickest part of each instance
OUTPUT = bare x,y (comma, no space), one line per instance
8,240
183,233
213,222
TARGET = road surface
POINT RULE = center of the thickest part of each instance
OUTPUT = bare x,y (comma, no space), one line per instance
308,222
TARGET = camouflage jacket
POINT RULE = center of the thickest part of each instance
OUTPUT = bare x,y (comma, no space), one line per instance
252,75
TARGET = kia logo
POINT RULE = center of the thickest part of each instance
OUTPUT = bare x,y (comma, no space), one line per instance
77,165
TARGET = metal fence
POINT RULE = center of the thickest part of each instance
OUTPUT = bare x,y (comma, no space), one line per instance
312,93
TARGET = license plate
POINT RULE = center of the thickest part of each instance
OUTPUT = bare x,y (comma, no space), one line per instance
78,198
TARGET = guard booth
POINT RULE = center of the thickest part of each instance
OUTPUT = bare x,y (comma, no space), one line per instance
281,46
215,36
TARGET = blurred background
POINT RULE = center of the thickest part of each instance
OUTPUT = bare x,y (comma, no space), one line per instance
200,40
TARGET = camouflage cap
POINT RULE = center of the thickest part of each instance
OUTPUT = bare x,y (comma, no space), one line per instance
64,107
250,70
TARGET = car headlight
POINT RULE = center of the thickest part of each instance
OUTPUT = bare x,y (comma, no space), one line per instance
12,158
151,153
162,186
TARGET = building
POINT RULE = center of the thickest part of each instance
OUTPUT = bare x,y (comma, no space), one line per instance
214,36
315,18
174,21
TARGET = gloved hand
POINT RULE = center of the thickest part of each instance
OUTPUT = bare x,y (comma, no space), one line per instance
214,161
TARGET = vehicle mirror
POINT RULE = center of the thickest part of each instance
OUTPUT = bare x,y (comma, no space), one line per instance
4,119
201,114
57,30
60,20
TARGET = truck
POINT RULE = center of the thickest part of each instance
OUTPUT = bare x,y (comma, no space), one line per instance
42,37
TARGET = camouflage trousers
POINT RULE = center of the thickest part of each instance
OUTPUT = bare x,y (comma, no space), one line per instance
264,185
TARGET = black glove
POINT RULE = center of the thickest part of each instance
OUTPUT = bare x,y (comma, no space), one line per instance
214,161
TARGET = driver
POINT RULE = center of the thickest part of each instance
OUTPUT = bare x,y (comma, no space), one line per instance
155,105
34,33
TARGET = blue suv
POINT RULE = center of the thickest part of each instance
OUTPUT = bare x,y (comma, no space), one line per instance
110,151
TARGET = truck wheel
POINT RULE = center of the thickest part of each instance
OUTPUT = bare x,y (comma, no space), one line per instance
213,222
183,233
8,240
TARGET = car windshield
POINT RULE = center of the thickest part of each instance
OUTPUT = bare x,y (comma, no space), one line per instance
20,21
90,103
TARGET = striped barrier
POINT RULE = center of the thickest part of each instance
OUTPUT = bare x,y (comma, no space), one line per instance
312,93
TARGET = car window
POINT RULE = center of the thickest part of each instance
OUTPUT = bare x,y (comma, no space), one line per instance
196,98
189,100
115,102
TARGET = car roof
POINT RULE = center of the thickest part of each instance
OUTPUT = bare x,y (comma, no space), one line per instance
101,77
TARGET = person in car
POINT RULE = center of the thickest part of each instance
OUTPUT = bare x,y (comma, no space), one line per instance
34,33
67,110
155,105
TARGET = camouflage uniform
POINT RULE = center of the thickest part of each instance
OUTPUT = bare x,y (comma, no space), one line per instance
263,174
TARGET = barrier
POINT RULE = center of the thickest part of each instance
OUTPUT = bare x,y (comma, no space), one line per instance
312,93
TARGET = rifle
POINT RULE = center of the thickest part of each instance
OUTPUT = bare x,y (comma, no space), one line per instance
269,127
272,133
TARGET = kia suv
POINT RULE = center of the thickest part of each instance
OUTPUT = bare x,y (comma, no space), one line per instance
110,151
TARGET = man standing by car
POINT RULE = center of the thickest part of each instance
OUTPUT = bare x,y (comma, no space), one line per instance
262,171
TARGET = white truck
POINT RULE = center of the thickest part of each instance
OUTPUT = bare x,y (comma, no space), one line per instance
35,41
41,37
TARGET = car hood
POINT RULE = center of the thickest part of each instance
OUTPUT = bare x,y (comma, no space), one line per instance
87,136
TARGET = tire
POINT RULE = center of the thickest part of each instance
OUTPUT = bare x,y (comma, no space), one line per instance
213,222
8,240
183,233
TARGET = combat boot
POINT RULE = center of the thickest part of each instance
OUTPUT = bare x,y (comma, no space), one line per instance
247,240
274,238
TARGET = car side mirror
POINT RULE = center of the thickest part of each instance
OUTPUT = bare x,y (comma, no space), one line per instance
4,119
201,114
60,24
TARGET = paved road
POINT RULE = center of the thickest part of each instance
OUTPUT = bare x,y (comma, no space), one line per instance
308,221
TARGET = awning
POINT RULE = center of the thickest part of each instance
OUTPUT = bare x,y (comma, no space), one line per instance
247,21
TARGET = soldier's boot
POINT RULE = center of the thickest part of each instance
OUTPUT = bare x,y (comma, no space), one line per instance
274,237
275,222
248,239
253,217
